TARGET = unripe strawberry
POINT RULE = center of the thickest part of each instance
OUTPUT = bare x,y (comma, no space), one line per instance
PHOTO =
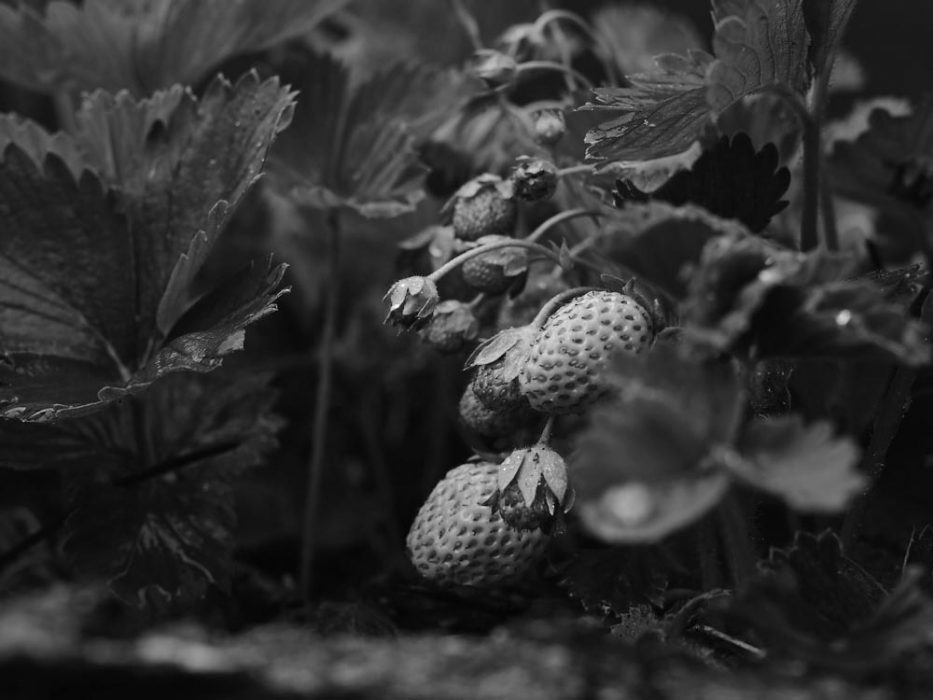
494,68
411,301
550,126
534,178
457,540
498,270
533,488
497,364
563,372
495,423
484,206
452,326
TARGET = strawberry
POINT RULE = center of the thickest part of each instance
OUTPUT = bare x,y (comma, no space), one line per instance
411,301
484,206
497,364
498,270
550,126
452,326
457,540
495,423
533,489
534,179
562,374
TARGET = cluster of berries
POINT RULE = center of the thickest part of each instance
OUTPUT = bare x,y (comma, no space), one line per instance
487,523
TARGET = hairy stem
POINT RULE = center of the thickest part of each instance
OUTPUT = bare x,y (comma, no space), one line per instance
321,407
454,263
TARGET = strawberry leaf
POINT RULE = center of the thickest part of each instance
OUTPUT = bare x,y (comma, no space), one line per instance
102,236
153,511
140,45
662,114
355,146
729,180
890,166
747,294
641,466
759,45
805,465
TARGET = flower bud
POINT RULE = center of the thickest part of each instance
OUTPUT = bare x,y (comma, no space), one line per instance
534,179
493,67
411,301
550,126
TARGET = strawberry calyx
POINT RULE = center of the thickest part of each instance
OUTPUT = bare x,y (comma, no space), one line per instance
533,486
412,301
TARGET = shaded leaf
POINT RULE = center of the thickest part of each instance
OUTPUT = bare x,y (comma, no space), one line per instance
100,246
730,180
890,166
142,45
153,511
806,466
356,145
757,45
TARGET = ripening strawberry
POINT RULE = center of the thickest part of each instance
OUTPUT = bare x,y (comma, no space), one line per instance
484,206
455,539
563,372
452,326
497,364
498,270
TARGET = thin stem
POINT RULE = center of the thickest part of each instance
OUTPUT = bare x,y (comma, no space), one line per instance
809,226
740,553
454,263
546,431
321,407
559,219
470,27
574,169
828,208
556,301
554,65
178,463
567,16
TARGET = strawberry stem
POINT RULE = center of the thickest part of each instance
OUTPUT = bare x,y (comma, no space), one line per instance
559,219
321,409
556,301
546,431
454,263
560,67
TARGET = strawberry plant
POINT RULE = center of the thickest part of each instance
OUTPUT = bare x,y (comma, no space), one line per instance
592,314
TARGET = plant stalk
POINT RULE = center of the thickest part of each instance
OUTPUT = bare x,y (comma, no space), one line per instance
321,408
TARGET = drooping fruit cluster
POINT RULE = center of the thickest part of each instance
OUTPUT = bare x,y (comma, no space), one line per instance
455,539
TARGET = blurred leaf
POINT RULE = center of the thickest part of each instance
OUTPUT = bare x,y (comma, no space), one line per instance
104,232
758,45
355,145
826,21
643,466
890,166
143,45
729,180
153,511
640,513
749,294
806,466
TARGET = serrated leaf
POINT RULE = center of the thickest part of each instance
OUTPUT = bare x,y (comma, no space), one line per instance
888,166
161,540
143,45
826,20
758,44
749,295
99,246
662,243
662,113
806,466
730,180
355,146
615,579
